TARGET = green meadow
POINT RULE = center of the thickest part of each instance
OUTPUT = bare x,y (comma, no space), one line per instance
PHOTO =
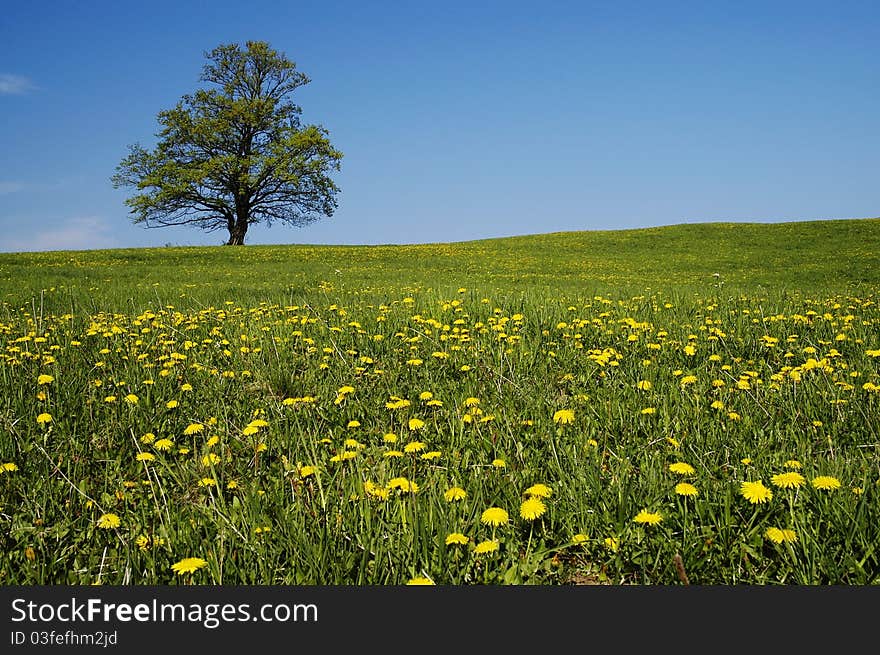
692,404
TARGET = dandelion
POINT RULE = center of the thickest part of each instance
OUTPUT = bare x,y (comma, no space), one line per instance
145,457
109,521
681,468
494,516
650,518
499,463
755,492
8,467
193,428
149,437
612,544
171,404
207,482
414,447
456,538
433,454
792,464
532,508
163,444
403,484
563,416
580,538
45,379
420,580
539,490
132,399
825,482
686,489
779,535
188,565
354,424
210,459
788,480
416,424
644,385
44,418
471,402
488,546
306,471
454,493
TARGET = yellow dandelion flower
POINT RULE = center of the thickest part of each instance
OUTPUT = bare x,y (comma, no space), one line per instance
539,490
792,464
211,459
580,538
145,457
420,580
132,399
44,418
426,395
306,471
494,516
825,482
454,493
755,492
149,437
403,484
109,521
644,385
488,546
563,416
193,428
207,482
45,379
686,489
650,518
416,424
456,538
780,535
612,544
681,468
163,444
8,467
188,565
171,404
471,402
788,480
433,454
414,447
532,508
353,424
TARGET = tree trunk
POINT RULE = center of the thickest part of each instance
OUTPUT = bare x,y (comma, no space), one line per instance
237,232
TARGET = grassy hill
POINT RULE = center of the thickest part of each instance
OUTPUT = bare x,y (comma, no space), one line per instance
808,256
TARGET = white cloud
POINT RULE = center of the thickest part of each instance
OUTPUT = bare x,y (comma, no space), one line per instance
14,84
80,233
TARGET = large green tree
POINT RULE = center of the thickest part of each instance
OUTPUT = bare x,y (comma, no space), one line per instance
236,153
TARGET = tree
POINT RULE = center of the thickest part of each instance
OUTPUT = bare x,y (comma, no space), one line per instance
234,154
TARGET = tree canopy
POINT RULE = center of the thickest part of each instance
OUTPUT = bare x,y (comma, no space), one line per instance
236,153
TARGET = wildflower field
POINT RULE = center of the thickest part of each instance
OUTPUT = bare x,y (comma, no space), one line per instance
695,403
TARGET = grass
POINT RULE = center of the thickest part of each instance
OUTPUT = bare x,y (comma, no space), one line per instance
299,414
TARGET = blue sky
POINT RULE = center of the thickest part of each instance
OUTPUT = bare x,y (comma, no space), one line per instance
462,120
